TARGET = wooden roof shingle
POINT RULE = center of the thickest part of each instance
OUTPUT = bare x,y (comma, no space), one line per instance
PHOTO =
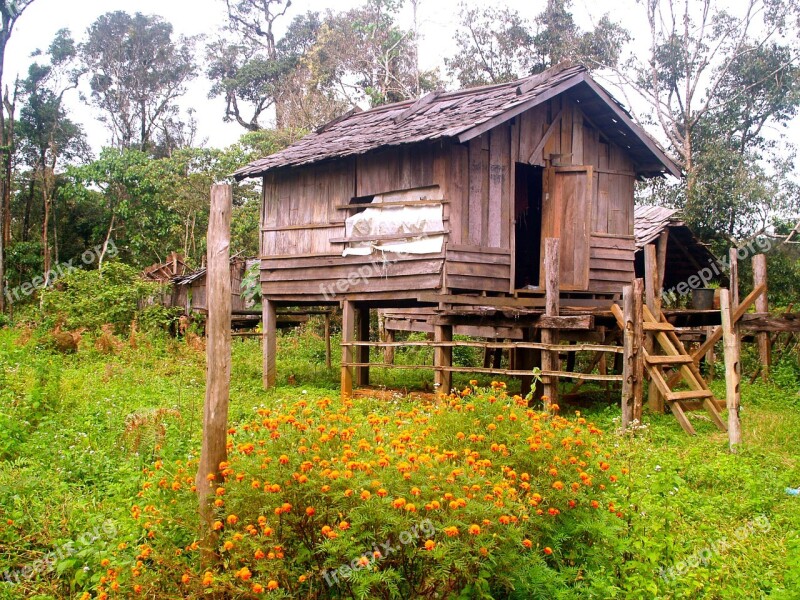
463,115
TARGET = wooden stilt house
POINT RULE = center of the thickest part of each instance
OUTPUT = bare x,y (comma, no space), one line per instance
450,198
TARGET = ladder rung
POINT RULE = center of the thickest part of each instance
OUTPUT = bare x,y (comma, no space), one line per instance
689,394
681,359
649,326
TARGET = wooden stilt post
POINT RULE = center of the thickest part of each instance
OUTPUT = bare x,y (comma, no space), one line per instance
269,335
549,336
655,401
327,340
710,356
388,351
443,357
362,352
733,370
627,356
218,360
638,343
348,335
762,306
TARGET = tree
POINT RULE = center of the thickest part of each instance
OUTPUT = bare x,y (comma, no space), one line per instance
496,45
10,11
137,72
714,78
362,53
45,133
249,69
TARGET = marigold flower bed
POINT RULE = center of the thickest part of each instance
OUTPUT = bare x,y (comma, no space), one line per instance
475,493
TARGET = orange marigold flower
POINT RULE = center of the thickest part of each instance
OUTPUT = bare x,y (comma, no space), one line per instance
272,585
310,511
185,578
344,525
548,550
259,554
232,519
217,525
399,502
553,472
365,495
228,545
257,588
208,578
244,574
283,459
430,545
474,529
553,511
527,543
558,486
451,531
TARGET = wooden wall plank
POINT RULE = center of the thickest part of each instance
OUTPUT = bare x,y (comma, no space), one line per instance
499,199
476,182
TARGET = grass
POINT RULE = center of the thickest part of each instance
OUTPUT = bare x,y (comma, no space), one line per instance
77,430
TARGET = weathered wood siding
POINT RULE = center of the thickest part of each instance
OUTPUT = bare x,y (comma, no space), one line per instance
605,219
303,221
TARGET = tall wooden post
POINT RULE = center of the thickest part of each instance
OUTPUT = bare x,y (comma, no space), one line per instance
443,357
762,306
348,335
653,286
362,352
627,354
218,359
549,336
269,335
638,343
327,340
733,370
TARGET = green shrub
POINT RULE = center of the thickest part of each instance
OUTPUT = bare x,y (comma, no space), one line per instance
92,298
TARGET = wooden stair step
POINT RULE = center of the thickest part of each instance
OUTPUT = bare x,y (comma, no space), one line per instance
669,360
689,394
651,326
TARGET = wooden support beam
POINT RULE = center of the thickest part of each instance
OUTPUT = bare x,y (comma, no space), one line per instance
362,352
638,344
388,351
733,371
537,151
661,257
627,365
327,340
218,363
653,289
443,358
269,327
348,335
549,336
762,306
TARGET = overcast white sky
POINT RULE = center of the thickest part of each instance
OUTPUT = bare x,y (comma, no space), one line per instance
437,21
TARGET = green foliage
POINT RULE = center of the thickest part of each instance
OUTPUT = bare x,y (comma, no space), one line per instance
101,419
93,298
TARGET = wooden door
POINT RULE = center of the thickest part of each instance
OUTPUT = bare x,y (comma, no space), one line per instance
567,215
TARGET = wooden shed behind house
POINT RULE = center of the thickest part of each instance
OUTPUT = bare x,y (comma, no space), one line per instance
455,193
681,254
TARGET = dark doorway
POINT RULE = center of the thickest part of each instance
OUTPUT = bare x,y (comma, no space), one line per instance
528,219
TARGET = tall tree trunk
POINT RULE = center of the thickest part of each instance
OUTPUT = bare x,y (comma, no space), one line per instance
26,215
45,227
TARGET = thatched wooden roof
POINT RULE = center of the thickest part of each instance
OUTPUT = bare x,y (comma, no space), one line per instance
465,114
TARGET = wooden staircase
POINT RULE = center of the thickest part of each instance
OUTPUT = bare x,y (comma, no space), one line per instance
673,365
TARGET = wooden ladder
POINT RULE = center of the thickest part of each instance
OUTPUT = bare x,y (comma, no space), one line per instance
675,357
